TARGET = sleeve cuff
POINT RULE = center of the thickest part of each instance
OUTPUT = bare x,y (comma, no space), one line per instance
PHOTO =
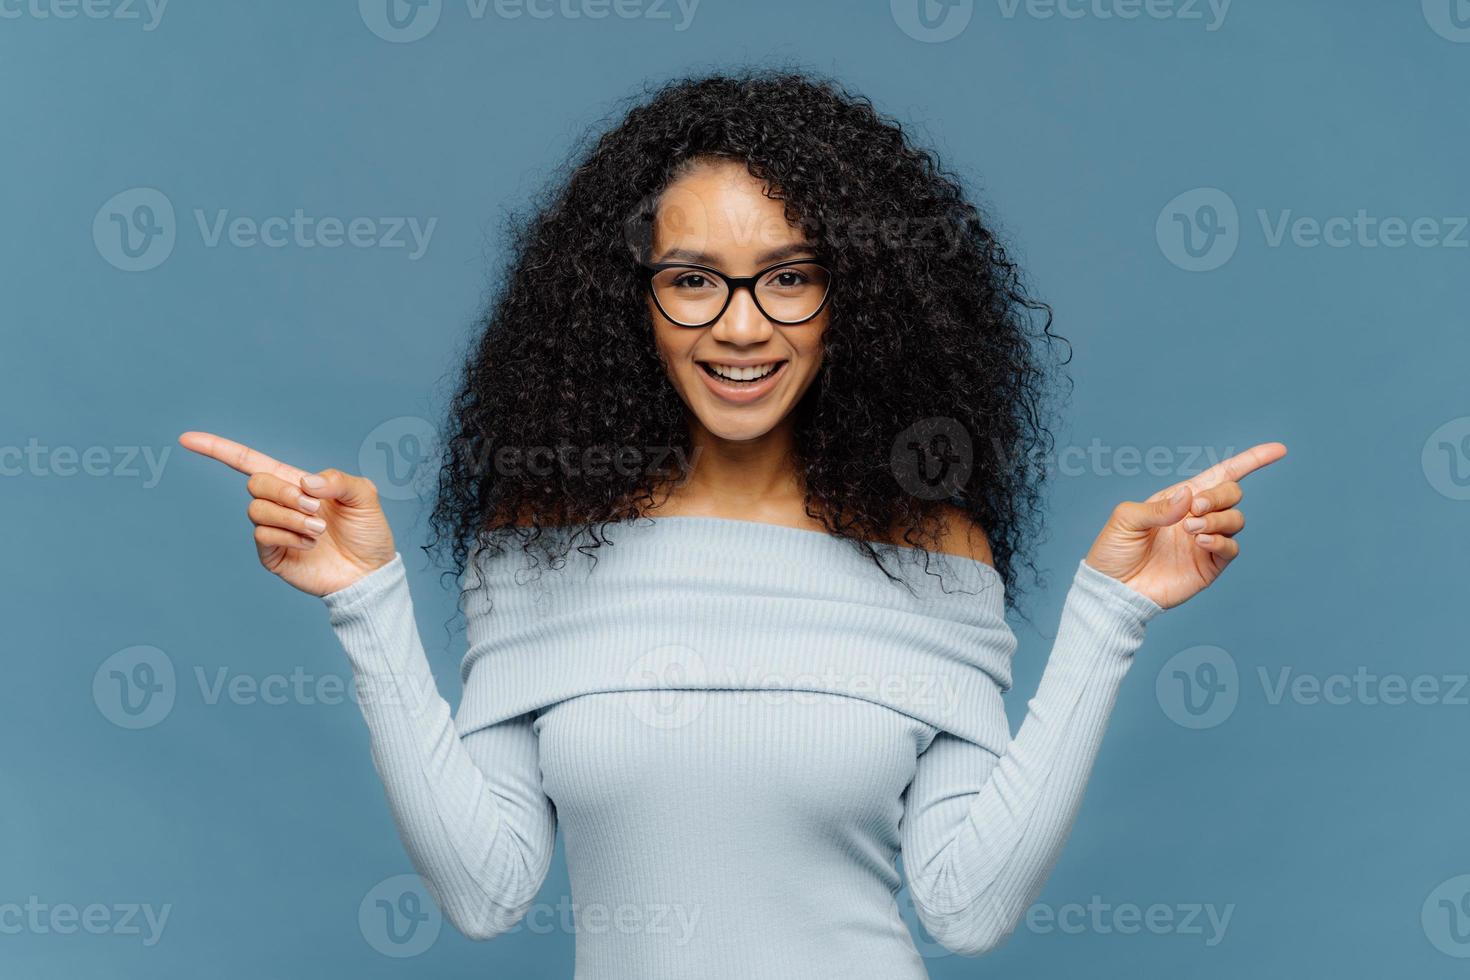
346,603
1113,594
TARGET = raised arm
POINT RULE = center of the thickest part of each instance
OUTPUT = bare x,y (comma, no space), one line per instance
981,831
469,806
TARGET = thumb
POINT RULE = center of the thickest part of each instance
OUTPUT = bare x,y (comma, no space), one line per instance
1133,516
346,489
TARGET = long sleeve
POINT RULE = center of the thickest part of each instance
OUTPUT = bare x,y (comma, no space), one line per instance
981,832
470,808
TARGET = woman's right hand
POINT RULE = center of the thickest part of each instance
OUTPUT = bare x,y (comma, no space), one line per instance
319,531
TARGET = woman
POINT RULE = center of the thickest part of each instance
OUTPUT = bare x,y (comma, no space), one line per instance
724,627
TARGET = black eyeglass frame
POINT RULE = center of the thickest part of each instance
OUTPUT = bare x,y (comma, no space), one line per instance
733,283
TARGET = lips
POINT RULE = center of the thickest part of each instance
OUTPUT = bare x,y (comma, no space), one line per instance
740,392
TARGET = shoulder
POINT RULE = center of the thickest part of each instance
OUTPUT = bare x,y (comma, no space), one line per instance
958,534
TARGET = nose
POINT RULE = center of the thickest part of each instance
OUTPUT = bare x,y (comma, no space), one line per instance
742,324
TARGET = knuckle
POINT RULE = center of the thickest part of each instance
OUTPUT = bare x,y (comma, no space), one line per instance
257,510
261,534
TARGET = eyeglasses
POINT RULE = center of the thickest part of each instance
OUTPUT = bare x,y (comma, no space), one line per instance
788,293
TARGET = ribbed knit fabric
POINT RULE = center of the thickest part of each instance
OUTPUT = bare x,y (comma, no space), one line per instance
739,726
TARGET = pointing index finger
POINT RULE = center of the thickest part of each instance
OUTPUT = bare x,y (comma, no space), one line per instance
1237,466
237,456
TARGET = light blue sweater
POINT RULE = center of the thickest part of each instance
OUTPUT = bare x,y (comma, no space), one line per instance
739,726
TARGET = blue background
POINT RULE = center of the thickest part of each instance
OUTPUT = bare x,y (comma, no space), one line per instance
1323,827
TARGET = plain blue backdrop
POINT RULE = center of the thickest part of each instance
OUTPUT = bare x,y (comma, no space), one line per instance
1250,221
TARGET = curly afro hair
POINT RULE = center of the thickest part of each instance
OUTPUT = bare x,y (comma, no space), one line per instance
934,359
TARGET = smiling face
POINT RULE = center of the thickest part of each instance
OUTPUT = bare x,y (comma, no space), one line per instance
743,374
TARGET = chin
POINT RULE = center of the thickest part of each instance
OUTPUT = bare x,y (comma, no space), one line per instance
721,426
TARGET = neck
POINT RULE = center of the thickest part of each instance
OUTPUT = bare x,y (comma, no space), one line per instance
752,477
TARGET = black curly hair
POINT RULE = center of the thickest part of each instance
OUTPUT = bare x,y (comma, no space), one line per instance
933,341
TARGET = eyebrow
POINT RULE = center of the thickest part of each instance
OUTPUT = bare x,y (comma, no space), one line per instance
765,258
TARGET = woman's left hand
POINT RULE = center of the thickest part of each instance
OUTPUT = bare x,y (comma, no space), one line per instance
1172,545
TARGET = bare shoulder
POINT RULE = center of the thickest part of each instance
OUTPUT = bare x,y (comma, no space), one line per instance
959,534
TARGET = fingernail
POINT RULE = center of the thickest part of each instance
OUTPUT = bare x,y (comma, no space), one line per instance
314,482
1194,523
316,525
1178,495
309,504
1205,538
1200,505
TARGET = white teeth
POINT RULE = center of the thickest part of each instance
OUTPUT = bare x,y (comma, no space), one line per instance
743,373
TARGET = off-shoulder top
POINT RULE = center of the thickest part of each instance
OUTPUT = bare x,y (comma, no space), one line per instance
740,728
